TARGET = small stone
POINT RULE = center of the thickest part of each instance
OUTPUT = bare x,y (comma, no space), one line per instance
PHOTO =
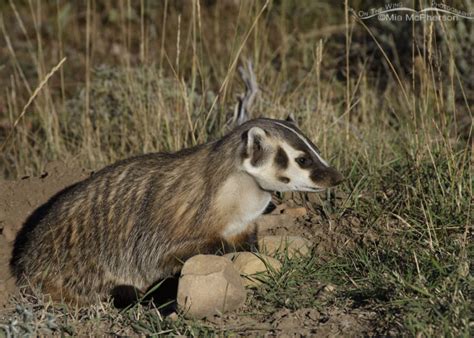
209,285
9,234
327,292
329,288
293,245
252,267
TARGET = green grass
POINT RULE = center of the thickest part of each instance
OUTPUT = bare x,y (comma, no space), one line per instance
404,145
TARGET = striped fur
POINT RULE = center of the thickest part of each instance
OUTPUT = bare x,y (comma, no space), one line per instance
134,222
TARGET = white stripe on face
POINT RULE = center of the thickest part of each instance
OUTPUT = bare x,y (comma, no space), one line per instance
305,142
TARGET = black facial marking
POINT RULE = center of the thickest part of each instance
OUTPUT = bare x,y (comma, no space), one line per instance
281,158
327,177
304,161
284,179
298,143
317,175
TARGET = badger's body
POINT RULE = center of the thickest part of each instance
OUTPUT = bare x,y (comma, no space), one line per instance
135,221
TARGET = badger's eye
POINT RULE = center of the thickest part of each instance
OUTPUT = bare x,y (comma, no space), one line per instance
303,161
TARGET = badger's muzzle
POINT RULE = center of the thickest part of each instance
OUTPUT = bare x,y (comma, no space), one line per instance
326,177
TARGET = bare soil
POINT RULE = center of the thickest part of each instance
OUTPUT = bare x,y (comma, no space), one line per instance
301,323
18,199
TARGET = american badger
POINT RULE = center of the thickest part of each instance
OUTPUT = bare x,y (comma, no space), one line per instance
134,222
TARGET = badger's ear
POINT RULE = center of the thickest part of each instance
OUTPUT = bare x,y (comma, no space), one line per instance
255,143
291,118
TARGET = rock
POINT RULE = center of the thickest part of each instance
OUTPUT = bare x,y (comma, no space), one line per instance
294,245
9,233
327,292
209,285
329,288
252,267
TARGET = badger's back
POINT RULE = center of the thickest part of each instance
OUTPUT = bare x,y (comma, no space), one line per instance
129,224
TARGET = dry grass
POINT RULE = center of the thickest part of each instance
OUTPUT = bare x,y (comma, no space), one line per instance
396,116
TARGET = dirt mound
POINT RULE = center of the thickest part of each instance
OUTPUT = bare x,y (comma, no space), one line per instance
18,199
329,232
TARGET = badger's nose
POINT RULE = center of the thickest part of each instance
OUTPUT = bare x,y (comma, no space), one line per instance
336,177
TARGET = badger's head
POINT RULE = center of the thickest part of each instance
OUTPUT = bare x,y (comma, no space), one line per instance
281,158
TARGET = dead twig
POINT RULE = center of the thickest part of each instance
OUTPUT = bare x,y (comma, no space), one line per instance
242,110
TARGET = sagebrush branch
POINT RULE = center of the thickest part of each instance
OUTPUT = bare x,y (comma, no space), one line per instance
243,108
